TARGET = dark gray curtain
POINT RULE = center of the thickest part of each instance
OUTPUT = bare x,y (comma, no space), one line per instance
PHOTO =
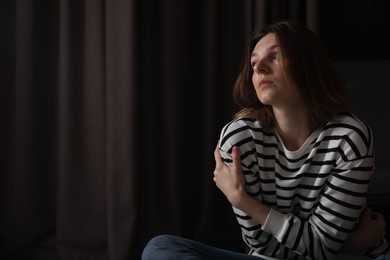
111,112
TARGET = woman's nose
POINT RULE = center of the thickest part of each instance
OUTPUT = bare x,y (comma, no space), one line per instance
261,67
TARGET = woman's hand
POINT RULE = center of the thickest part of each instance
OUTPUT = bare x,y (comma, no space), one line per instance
230,180
371,229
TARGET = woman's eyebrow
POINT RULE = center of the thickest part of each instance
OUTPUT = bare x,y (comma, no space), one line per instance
272,47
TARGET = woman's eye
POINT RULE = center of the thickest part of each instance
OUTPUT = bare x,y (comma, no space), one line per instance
253,64
275,55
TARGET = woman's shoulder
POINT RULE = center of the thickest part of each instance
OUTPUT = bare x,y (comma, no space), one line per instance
242,122
241,125
241,129
352,130
349,124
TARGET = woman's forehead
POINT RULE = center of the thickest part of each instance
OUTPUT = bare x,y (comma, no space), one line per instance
265,44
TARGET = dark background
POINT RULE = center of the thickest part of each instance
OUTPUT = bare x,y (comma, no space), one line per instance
355,30
111,111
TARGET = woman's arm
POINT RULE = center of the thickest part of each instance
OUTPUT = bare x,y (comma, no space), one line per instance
231,182
371,229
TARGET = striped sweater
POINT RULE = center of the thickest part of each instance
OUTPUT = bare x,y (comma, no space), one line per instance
316,193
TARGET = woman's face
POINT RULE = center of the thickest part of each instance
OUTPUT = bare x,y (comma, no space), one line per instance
269,80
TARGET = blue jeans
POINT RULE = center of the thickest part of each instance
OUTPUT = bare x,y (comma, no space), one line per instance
383,257
165,247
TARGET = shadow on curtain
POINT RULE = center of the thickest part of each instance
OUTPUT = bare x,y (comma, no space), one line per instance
112,110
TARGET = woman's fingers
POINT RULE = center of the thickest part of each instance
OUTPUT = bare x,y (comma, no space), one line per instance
236,158
217,156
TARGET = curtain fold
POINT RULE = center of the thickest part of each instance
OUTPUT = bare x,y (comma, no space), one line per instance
120,131
113,109
27,203
81,185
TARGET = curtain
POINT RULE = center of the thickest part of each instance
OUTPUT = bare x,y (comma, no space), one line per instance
111,111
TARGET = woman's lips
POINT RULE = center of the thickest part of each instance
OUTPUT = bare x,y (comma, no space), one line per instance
264,83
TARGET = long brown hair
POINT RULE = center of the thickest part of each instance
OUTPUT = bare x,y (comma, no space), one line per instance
306,62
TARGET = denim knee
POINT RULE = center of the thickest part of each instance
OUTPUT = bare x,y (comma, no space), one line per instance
157,246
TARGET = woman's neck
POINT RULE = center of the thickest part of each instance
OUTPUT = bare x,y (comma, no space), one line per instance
293,127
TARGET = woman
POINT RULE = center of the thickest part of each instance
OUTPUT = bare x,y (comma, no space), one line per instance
294,163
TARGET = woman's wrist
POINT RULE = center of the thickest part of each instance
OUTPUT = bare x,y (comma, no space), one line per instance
252,207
